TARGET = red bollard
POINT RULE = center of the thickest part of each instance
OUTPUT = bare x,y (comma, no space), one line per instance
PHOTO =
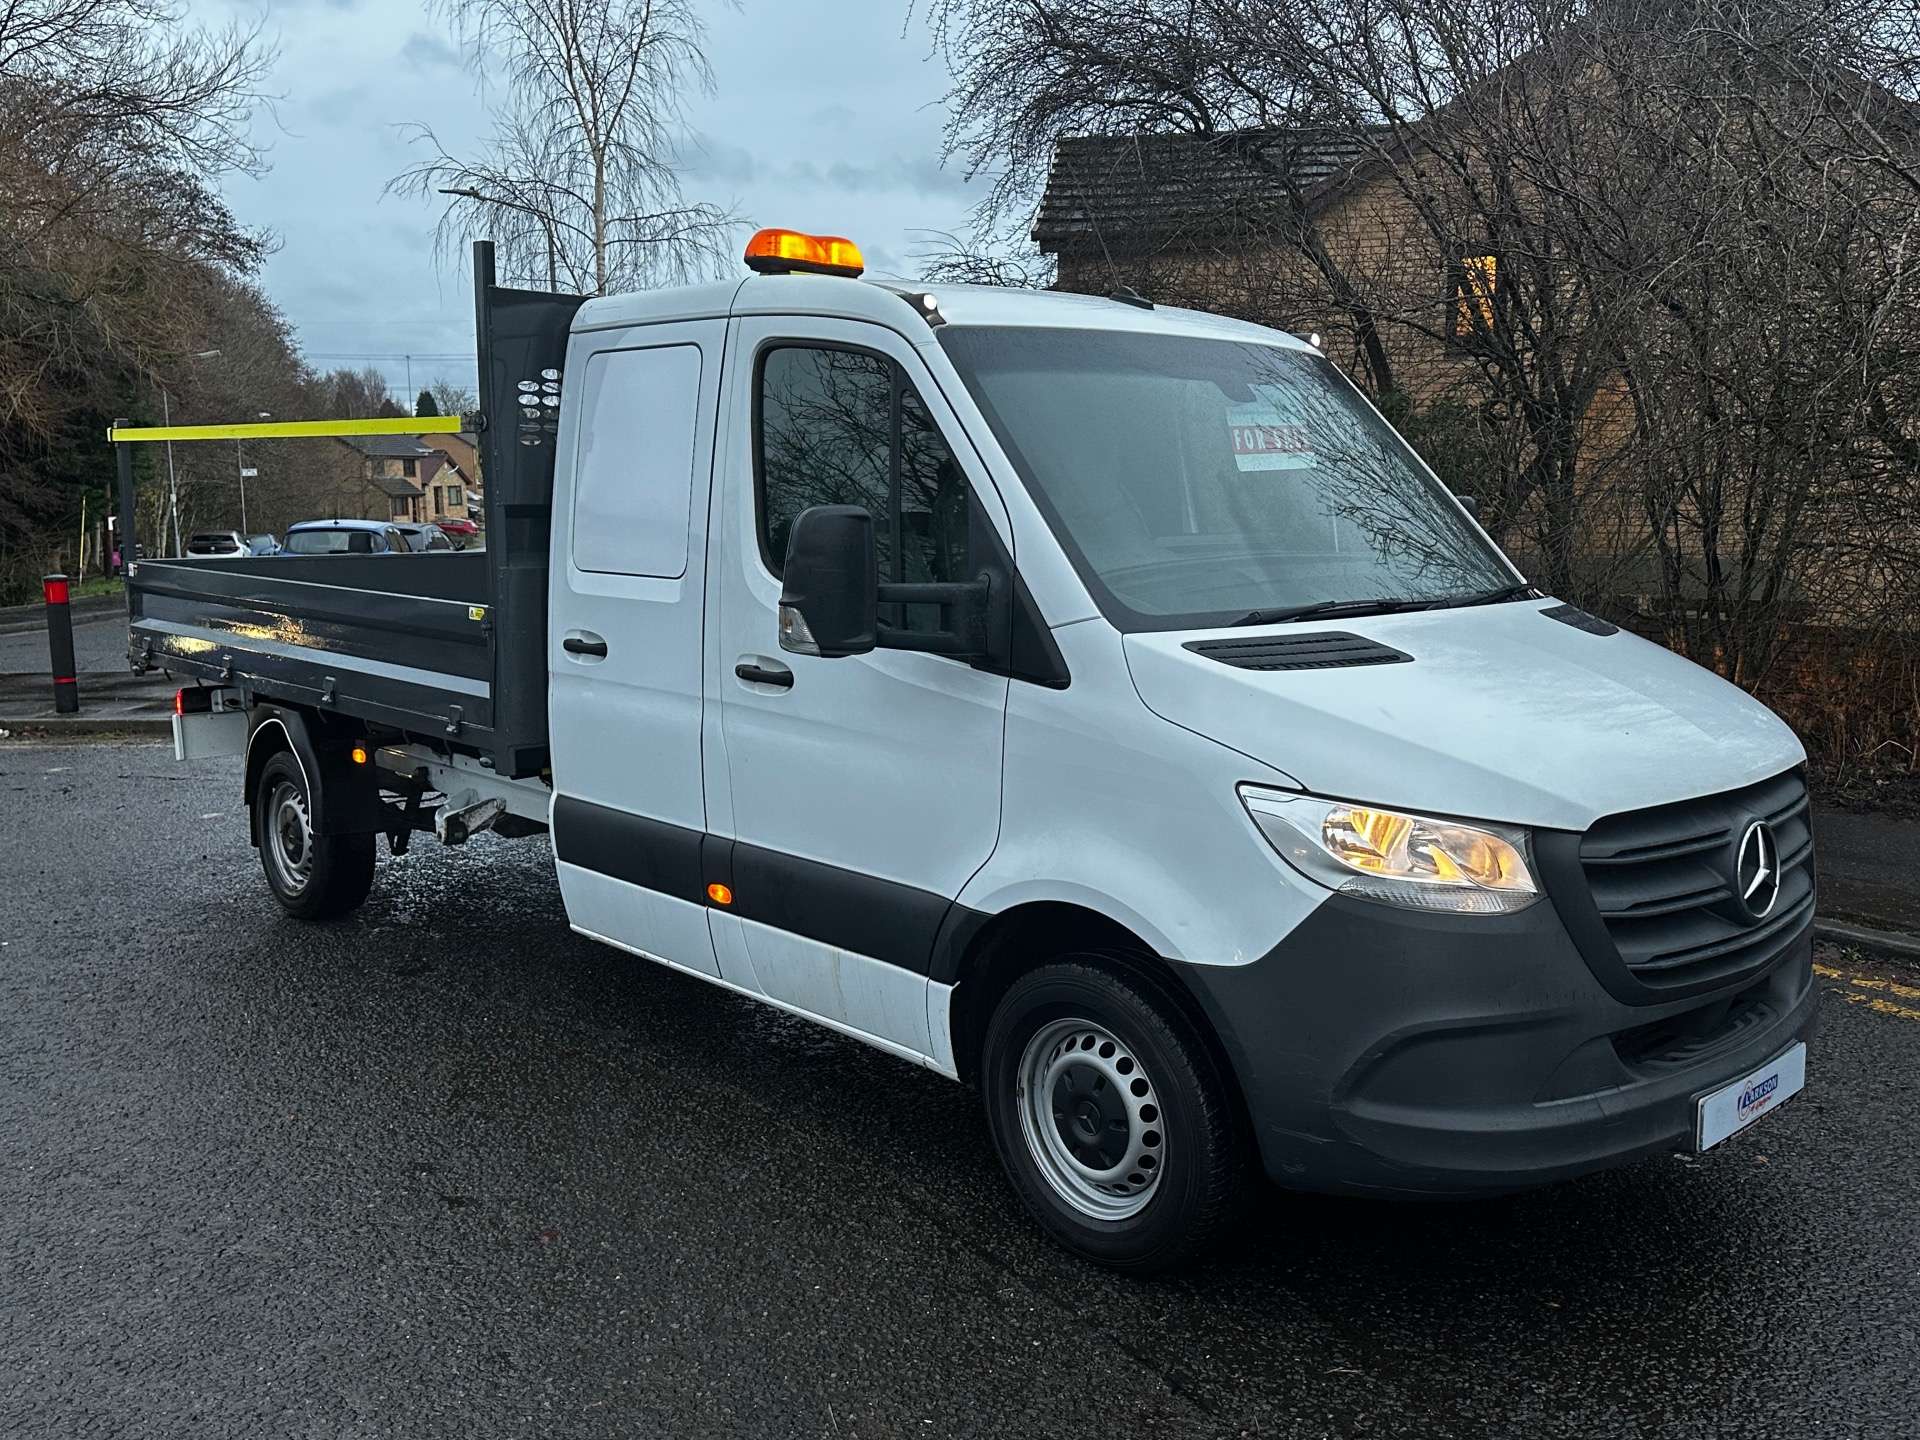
66,685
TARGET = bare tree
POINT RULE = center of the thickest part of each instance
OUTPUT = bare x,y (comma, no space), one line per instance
1646,266
355,394
116,119
454,399
964,260
578,184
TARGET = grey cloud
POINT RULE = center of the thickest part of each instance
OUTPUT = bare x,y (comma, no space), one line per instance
917,174
430,50
702,157
348,102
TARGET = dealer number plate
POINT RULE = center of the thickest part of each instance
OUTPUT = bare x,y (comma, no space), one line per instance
1730,1109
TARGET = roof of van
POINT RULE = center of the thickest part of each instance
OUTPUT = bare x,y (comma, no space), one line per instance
891,302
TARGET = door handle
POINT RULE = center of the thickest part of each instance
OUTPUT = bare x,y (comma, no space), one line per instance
585,645
765,674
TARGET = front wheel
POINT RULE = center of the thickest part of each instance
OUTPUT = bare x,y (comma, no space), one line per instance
1113,1119
313,876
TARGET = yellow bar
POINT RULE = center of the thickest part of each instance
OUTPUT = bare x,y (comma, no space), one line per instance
293,429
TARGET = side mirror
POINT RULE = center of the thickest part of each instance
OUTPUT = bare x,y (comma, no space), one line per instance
1469,504
829,598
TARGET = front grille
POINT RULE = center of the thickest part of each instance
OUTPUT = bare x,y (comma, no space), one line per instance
1665,883
1695,1036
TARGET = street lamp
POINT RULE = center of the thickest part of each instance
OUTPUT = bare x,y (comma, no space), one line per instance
546,223
166,418
240,464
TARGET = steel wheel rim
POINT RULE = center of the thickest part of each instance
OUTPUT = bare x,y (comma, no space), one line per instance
289,837
1091,1119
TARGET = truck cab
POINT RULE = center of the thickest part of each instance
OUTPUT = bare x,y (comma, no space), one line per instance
1100,704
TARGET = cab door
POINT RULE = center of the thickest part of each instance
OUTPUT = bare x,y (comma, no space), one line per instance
859,794
625,622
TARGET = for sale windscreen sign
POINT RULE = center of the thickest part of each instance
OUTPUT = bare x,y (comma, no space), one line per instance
1264,437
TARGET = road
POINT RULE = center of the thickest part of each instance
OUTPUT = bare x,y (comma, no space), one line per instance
1867,869
98,644
445,1169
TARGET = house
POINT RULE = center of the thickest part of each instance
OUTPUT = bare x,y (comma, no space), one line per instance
388,469
417,478
422,478
1228,222
457,491
1633,445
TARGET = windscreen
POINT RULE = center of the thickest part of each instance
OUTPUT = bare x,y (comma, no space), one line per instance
330,542
1195,481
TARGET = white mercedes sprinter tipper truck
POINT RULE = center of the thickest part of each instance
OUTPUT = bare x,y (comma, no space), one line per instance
1093,702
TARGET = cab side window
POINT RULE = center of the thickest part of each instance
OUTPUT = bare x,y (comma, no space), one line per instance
844,427
637,443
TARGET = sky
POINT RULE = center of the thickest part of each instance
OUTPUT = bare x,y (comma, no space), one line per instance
825,116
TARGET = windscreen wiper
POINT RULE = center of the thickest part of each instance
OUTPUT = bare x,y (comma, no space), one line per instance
1524,590
1329,607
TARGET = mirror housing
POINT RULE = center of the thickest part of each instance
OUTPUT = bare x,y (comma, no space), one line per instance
829,595
1469,504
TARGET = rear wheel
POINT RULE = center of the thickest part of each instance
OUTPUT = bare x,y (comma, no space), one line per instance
1112,1117
313,876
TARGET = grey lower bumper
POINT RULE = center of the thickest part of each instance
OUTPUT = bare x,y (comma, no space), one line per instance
1384,1051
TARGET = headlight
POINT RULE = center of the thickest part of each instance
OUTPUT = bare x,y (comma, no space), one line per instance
1410,860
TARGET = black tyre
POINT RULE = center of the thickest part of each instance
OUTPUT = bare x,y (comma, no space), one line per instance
314,877
1114,1120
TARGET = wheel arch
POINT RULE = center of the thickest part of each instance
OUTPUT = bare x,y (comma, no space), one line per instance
344,797
271,734
1007,945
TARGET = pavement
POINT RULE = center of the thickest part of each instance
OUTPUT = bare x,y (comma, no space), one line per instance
15,619
1868,867
110,694
445,1169
99,643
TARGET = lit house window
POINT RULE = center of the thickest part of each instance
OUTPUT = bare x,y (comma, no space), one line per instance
1476,290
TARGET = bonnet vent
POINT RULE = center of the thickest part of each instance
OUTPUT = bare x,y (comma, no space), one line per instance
1581,620
1325,650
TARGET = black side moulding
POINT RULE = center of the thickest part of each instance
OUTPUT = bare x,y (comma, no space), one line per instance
522,336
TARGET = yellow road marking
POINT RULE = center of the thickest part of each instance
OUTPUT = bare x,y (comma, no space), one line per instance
291,429
1862,984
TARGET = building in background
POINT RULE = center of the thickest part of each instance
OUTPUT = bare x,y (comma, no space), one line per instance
393,470
455,492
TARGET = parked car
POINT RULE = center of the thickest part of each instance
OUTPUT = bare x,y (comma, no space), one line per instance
346,537
461,532
218,542
263,545
425,537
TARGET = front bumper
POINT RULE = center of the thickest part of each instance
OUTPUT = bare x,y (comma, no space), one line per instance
1387,1052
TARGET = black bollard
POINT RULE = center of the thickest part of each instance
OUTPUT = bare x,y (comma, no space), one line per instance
66,685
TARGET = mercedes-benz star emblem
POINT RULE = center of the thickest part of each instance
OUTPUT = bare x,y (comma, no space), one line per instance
1756,869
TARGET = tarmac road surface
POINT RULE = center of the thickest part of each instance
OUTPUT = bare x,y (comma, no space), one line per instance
446,1169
